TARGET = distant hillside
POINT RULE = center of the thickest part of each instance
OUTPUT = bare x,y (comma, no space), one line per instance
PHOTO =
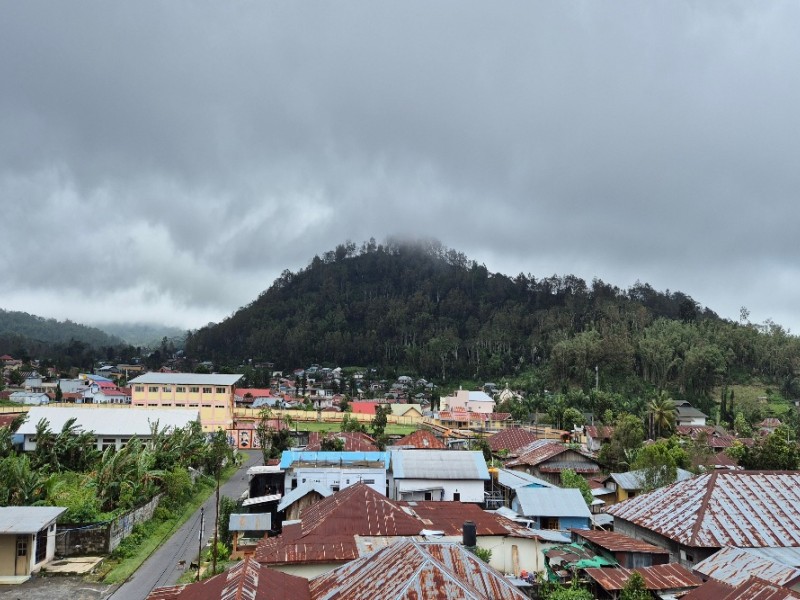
23,326
430,310
145,335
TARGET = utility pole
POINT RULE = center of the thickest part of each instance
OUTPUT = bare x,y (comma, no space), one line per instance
200,543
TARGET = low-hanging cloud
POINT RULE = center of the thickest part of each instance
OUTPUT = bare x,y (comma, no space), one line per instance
165,161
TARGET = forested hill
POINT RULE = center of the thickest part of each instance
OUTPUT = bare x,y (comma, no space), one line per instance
22,331
432,311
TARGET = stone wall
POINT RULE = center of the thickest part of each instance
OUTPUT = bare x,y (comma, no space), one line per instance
103,538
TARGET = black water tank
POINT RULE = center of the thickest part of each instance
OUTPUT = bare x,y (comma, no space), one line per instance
470,539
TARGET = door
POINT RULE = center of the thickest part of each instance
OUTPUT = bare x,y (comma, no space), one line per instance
21,566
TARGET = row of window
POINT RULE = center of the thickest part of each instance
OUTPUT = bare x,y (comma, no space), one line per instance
183,405
180,389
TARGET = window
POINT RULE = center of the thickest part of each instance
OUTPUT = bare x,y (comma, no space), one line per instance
167,389
206,390
139,388
22,546
194,389
41,546
193,405
180,405
220,390
206,406
153,389
180,389
369,481
167,404
456,497
550,523
428,496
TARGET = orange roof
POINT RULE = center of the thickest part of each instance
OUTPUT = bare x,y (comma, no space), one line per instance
421,439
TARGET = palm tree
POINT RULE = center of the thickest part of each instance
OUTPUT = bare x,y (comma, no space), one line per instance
661,410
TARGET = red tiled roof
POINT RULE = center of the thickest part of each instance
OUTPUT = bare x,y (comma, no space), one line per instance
363,408
671,576
724,508
246,580
511,439
421,439
409,570
354,441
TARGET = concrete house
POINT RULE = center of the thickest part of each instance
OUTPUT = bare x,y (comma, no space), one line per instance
695,518
546,459
27,540
438,475
335,470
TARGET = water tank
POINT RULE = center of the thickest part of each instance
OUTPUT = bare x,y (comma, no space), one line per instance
470,539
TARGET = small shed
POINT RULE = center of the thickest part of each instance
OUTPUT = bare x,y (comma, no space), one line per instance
246,530
27,540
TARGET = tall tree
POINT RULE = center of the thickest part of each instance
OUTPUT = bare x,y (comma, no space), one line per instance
661,413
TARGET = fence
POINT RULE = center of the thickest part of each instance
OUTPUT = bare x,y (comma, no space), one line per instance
102,538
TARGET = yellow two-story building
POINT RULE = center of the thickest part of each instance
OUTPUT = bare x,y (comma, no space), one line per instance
212,395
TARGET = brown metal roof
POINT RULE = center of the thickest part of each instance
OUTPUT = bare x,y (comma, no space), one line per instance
328,529
449,518
246,580
421,439
328,526
671,576
752,589
540,451
617,542
745,509
409,570
511,439
737,565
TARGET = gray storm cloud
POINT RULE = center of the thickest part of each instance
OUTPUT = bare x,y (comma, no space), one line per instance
165,161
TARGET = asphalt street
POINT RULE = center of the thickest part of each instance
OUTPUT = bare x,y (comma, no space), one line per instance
164,567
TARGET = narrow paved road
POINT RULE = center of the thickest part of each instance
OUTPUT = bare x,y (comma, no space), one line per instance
162,569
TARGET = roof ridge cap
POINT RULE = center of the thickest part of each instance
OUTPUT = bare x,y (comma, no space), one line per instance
703,507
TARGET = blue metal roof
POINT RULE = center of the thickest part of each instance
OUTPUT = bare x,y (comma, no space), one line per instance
331,458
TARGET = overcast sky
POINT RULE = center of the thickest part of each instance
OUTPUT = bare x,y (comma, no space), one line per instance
165,161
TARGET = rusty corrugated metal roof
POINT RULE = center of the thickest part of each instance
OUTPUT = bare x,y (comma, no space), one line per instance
540,451
421,439
409,570
326,530
617,542
511,439
671,576
732,508
737,565
246,580
752,589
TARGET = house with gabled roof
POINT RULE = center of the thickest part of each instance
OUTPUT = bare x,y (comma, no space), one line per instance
438,475
509,440
546,459
736,565
403,570
246,580
357,520
336,470
421,570
752,589
695,518
421,439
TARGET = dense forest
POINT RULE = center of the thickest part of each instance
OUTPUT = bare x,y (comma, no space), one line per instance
427,309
